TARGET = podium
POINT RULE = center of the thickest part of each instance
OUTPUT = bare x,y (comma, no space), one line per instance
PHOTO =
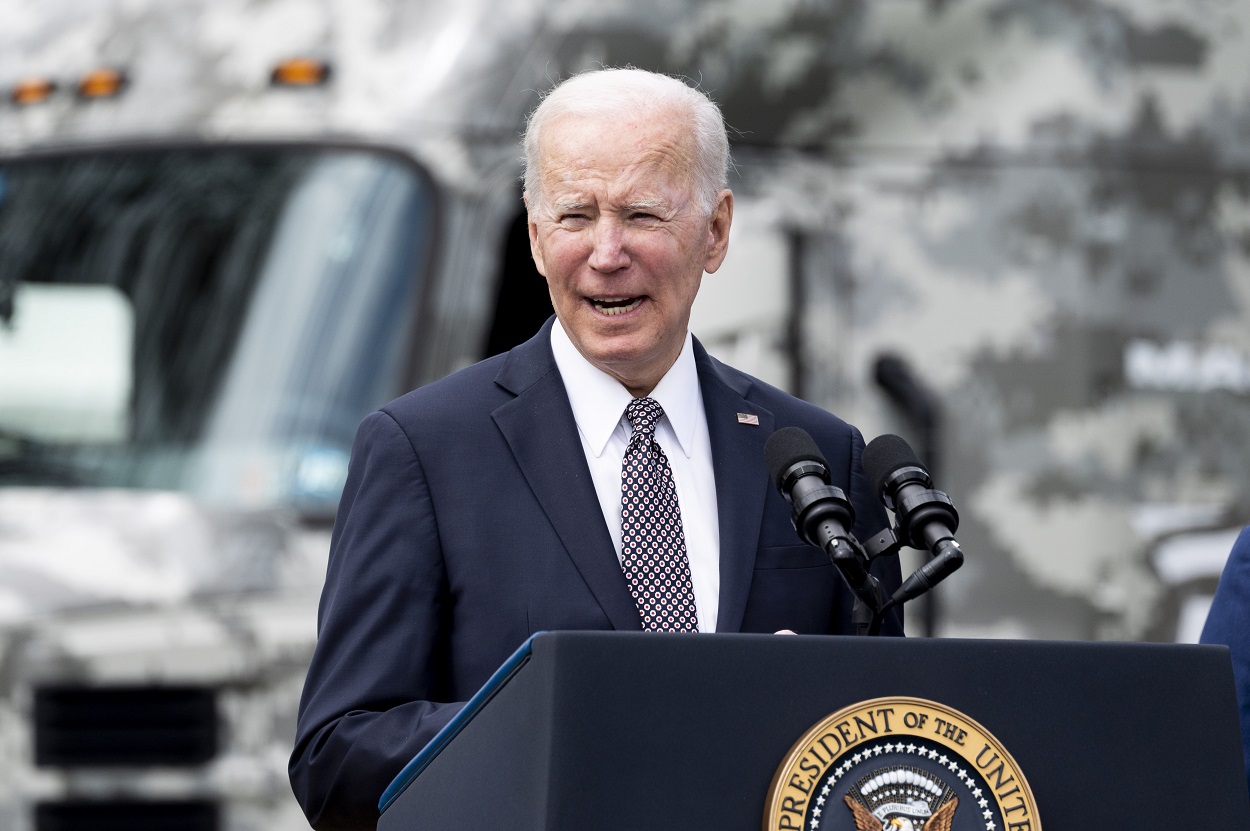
614,731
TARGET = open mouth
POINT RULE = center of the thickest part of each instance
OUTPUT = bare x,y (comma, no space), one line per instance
616,305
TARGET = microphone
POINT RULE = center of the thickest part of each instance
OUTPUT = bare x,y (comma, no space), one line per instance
926,517
820,512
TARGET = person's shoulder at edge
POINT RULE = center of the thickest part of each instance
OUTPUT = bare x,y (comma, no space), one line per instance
1231,603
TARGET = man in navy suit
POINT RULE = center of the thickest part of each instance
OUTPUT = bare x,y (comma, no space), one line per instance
488,506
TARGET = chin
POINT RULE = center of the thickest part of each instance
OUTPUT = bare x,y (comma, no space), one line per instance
615,363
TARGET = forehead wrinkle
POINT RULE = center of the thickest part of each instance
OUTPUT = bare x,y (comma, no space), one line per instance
653,174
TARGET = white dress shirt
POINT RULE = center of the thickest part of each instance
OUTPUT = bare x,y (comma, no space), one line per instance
599,402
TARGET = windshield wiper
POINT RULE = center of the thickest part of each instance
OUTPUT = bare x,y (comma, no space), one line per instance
8,277
8,289
25,459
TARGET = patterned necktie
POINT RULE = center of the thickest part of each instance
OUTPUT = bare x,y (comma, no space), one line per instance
653,545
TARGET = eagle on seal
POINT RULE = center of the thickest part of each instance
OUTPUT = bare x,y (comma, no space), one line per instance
939,820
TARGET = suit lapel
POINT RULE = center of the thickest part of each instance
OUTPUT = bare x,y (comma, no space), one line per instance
539,427
741,480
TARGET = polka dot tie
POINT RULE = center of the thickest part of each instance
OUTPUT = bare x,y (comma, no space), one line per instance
653,545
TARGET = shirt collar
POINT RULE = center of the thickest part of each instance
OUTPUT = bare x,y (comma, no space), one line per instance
599,400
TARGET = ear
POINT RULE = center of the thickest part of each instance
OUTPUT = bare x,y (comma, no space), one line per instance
536,250
718,231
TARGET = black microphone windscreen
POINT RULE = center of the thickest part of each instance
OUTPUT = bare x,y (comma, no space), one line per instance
886,454
787,447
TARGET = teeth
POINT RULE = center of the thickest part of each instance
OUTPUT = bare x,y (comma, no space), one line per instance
612,306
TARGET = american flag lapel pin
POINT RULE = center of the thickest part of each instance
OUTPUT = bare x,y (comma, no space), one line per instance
749,418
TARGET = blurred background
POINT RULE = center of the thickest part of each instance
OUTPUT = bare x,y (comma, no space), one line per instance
1014,232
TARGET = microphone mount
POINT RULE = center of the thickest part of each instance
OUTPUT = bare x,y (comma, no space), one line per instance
925,518
921,513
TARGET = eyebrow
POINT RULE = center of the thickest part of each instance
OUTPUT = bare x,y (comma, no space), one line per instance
645,205
577,204
566,205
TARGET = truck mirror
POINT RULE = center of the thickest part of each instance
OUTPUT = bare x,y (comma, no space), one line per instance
66,364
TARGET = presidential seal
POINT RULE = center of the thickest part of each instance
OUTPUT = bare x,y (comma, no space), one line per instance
899,764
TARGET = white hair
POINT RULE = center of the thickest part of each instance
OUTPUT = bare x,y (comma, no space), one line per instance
610,92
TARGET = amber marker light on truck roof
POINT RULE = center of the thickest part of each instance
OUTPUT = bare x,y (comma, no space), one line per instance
300,72
101,83
32,91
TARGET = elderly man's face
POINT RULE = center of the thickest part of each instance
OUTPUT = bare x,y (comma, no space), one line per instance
620,237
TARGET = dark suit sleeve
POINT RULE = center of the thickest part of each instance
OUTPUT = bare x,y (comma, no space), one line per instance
1228,623
379,668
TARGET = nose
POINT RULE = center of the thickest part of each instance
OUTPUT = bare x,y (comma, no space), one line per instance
607,252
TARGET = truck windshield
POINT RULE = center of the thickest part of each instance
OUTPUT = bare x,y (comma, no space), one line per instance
214,320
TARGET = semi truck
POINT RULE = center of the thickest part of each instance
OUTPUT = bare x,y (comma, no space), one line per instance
1015,233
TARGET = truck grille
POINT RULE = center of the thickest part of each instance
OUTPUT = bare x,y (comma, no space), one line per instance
124,726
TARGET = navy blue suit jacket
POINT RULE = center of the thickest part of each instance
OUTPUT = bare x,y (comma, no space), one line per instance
469,521
1228,623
